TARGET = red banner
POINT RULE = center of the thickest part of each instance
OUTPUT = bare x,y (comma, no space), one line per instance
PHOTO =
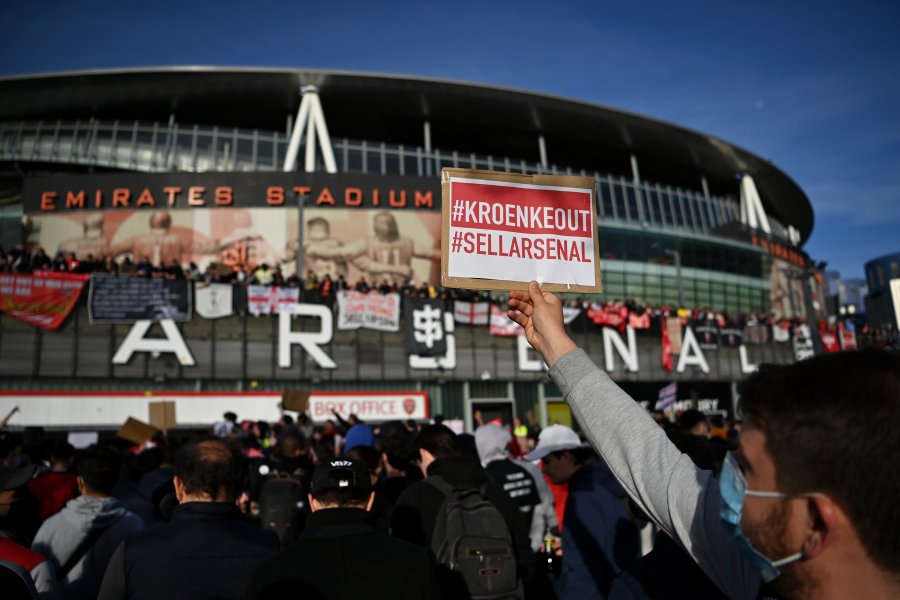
43,299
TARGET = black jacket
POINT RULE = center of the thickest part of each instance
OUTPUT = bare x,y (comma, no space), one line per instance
208,550
414,515
340,556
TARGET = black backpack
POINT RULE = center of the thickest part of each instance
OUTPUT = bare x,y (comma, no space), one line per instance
281,506
471,538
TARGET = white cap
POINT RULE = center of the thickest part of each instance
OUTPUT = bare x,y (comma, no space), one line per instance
553,439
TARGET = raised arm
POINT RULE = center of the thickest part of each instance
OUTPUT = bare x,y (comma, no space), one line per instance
683,500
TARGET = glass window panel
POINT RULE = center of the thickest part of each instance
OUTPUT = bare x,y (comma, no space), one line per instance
667,209
619,201
631,203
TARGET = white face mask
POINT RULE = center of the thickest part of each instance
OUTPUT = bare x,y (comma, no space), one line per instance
733,489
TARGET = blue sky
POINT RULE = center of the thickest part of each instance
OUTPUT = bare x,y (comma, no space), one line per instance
814,86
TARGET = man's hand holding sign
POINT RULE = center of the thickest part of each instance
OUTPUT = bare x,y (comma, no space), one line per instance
502,230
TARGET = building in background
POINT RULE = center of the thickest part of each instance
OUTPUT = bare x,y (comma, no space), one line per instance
883,300
309,170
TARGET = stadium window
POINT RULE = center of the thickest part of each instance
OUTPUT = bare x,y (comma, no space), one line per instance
619,196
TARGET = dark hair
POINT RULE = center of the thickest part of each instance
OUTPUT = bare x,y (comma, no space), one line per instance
367,455
689,418
697,448
580,456
62,450
212,466
439,440
831,425
342,497
99,468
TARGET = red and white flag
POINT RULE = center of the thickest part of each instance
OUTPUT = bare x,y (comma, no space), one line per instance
471,313
503,326
266,300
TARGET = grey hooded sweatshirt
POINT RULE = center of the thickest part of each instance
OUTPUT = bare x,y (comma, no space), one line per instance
60,535
491,442
682,499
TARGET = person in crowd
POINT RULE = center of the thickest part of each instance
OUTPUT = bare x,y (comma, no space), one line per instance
415,514
41,570
82,537
491,441
227,427
793,508
263,275
54,488
694,422
339,555
598,536
208,549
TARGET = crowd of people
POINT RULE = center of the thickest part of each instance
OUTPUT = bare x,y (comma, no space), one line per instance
324,289
256,510
799,502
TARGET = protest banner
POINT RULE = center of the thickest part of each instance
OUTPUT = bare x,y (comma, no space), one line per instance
214,301
44,299
502,230
128,299
424,335
356,310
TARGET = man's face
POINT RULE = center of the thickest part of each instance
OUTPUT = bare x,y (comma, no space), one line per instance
559,466
768,522
317,232
385,227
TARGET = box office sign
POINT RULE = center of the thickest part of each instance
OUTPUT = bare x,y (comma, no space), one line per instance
369,406
502,230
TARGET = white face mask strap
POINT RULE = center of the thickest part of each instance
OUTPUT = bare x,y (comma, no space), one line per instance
788,559
766,494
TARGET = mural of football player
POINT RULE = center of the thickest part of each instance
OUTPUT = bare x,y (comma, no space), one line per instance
92,242
318,240
161,245
383,256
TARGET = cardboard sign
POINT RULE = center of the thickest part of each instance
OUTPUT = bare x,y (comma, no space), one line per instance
502,230
371,407
136,431
295,400
162,415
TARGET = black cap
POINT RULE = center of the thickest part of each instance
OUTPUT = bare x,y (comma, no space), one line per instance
11,479
341,474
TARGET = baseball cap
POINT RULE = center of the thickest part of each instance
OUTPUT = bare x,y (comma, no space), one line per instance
11,479
341,474
554,439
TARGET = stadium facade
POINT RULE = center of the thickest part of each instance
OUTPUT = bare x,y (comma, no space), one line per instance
240,165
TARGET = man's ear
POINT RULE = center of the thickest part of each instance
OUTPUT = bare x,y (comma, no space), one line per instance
313,504
370,502
824,520
80,482
179,488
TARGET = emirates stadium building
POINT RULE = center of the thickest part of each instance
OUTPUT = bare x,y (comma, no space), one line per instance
222,170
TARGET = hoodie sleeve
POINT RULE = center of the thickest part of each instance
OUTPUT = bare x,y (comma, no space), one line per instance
683,500
44,576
